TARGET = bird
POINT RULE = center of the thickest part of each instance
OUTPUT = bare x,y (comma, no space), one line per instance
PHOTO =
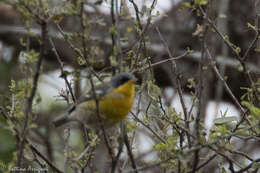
114,99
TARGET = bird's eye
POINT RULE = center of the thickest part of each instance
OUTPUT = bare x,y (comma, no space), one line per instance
124,80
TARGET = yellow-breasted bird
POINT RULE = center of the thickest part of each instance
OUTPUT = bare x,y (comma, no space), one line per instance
115,100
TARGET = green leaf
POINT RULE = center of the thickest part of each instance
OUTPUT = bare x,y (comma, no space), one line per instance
225,120
201,2
192,83
255,111
160,146
12,86
57,18
249,25
153,90
187,5
223,170
65,73
112,29
131,126
256,165
113,61
81,61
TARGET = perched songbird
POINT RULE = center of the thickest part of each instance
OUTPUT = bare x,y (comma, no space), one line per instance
115,100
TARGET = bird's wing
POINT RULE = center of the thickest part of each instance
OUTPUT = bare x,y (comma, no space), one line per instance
100,92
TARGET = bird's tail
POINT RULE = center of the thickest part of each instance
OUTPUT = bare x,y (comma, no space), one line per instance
61,120
65,118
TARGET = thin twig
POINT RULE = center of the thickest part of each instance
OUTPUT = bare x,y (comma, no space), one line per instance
63,75
129,150
31,146
112,13
162,62
148,127
156,165
77,51
114,163
238,56
243,111
143,30
217,151
100,120
201,105
223,80
205,163
34,149
174,70
248,166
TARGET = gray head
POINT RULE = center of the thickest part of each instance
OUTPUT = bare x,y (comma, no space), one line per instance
122,78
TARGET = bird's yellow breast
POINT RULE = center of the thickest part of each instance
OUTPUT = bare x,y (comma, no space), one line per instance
113,107
116,105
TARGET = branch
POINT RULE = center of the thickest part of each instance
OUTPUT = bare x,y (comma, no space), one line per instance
223,80
100,120
129,151
205,163
63,75
249,166
34,149
148,127
238,56
28,109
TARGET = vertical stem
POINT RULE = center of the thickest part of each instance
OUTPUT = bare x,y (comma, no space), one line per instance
222,25
28,109
129,151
